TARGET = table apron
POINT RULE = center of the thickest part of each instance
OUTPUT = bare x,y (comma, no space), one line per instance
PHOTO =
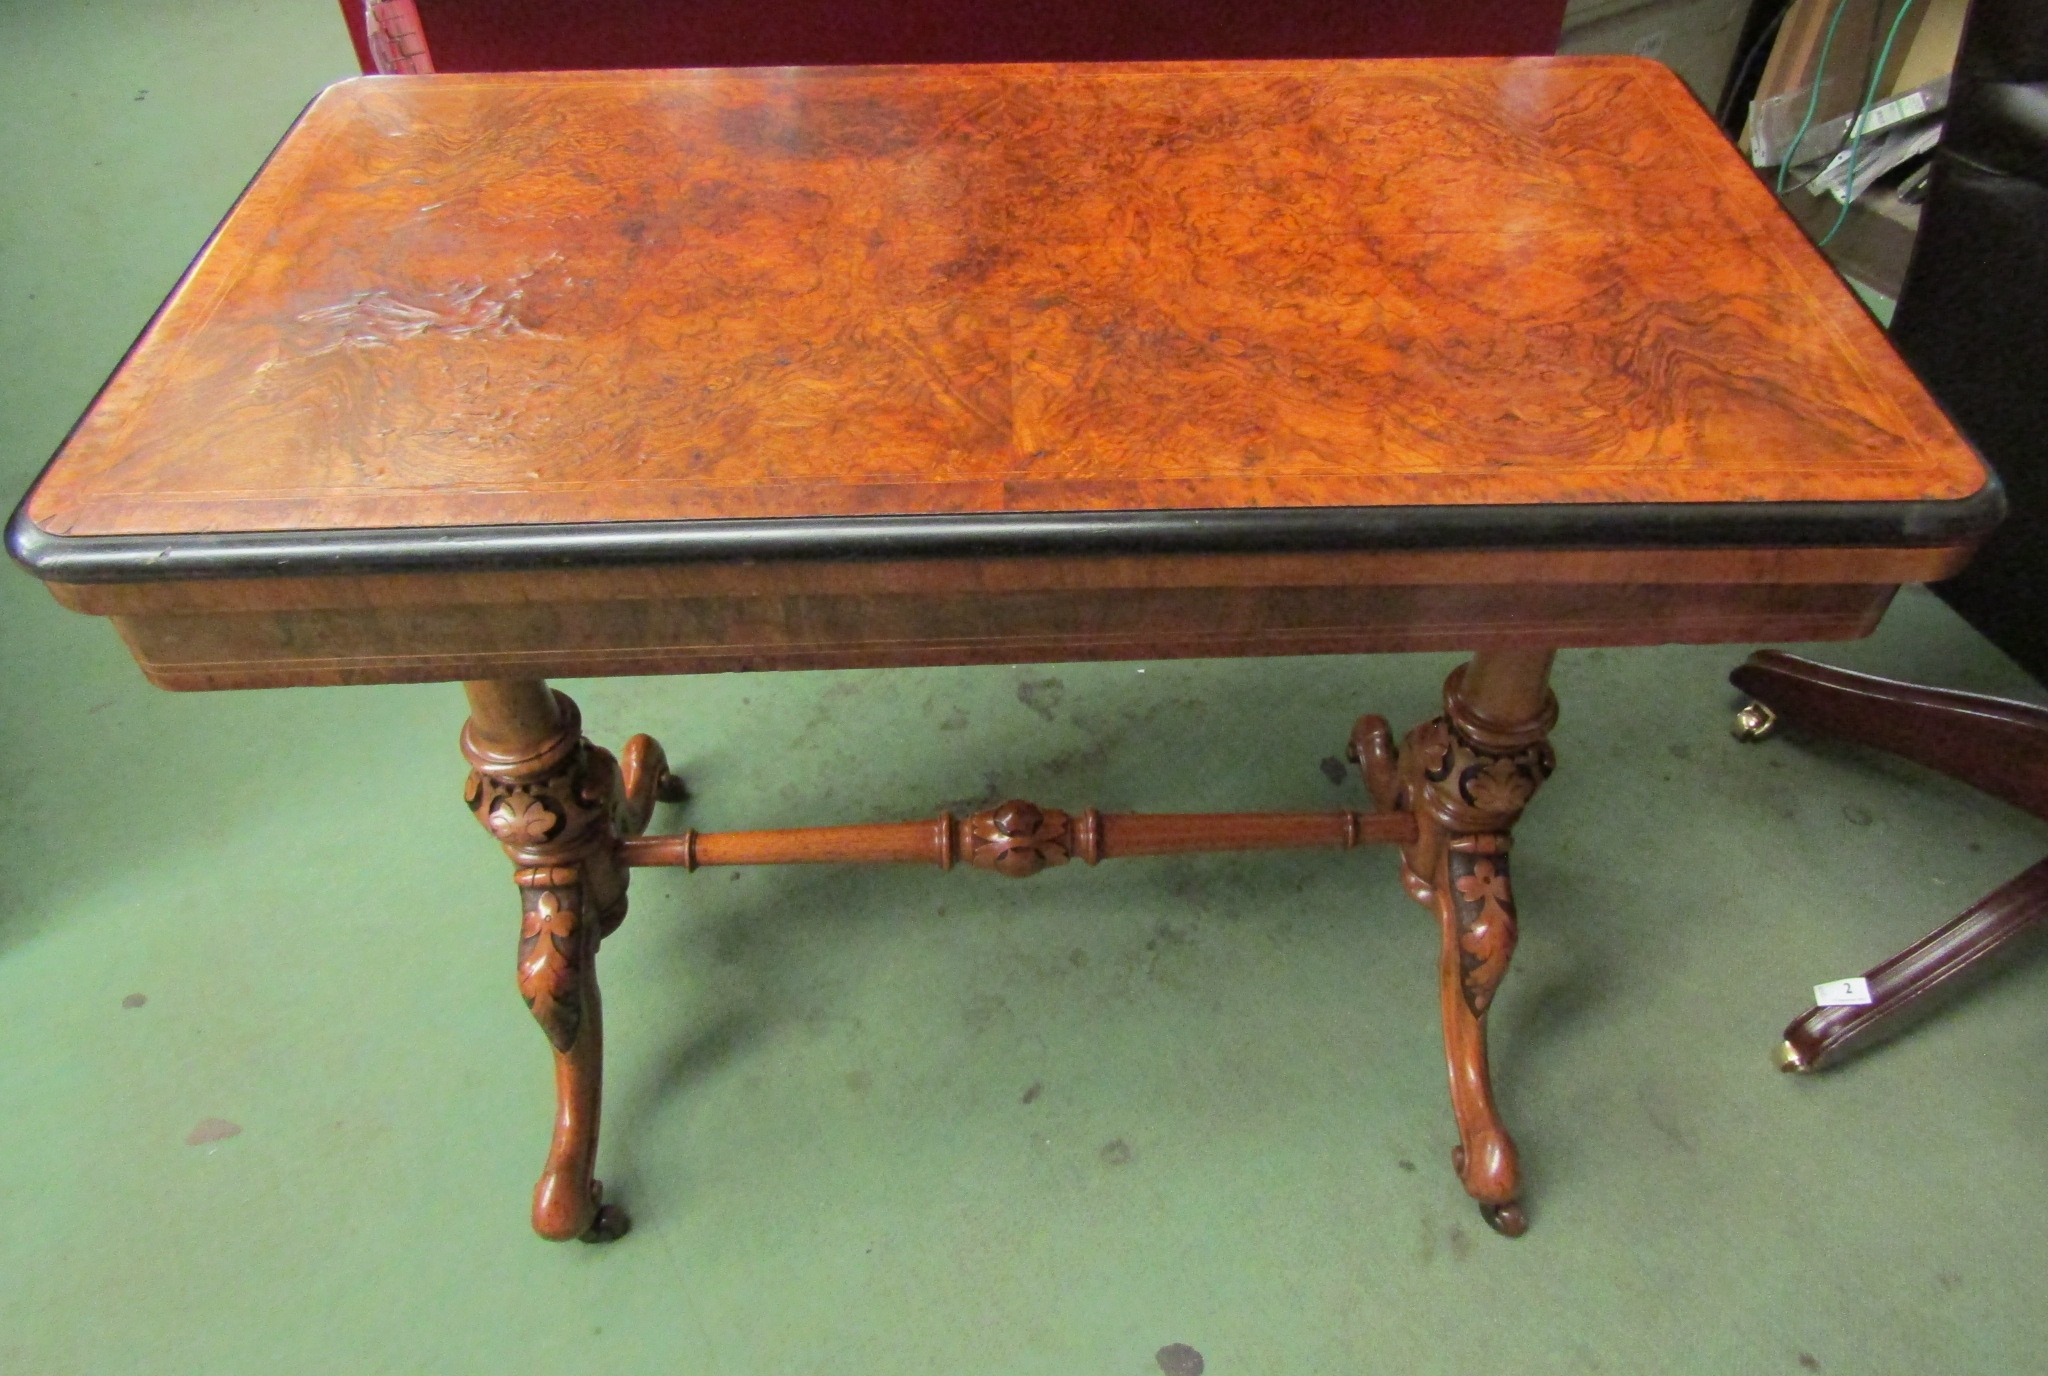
285,647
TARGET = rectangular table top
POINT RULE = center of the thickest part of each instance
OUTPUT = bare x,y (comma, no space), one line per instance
1258,305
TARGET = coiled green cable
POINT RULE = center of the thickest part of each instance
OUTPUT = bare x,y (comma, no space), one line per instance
1884,56
1820,70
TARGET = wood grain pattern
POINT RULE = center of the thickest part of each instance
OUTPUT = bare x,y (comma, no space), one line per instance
514,299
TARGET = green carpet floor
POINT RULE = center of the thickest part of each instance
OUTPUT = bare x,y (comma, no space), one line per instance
271,1104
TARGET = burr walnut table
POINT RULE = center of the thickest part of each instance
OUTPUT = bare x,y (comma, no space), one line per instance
489,378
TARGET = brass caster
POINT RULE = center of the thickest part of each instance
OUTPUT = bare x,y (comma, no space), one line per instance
610,1223
1790,1060
1506,1219
669,788
1754,722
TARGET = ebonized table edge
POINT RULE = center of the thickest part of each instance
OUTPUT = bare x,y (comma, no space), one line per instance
471,549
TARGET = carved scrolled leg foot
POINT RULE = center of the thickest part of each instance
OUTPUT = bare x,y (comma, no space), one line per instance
645,779
1475,908
558,979
559,806
1466,776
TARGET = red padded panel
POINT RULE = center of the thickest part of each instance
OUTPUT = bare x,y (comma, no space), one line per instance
549,35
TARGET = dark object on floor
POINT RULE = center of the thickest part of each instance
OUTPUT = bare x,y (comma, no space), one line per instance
1998,746
1971,315
546,35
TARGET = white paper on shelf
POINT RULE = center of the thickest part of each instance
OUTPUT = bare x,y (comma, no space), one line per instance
1773,122
1913,104
1873,159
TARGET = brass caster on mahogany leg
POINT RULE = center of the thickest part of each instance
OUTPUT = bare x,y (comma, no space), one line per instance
1754,722
1790,1060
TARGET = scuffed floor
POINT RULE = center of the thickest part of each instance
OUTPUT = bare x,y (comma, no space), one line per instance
273,1105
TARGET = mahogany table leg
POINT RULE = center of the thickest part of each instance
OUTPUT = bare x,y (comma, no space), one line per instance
1821,1036
1998,746
559,805
1989,743
1466,776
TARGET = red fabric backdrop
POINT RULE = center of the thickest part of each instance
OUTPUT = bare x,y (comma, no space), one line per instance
515,35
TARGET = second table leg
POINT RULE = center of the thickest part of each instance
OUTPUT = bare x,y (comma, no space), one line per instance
1465,776
559,805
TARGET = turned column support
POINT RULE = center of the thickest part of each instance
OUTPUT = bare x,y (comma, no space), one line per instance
1465,776
560,807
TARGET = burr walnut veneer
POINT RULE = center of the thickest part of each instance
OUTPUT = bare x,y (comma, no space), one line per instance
489,378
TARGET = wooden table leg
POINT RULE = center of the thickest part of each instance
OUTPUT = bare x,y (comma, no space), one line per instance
1819,1037
1989,743
1466,776
560,805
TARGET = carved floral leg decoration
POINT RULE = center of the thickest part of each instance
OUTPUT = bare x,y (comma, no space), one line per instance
1466,776
559,805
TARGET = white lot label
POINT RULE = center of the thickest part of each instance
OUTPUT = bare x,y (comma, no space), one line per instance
1842,993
